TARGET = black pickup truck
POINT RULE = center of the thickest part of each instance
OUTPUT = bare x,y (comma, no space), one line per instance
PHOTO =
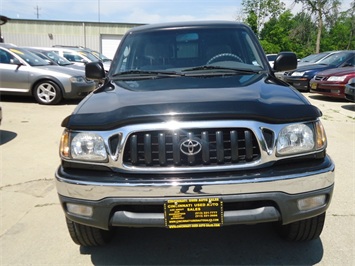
191,129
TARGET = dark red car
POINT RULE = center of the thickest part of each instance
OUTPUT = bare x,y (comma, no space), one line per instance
332,82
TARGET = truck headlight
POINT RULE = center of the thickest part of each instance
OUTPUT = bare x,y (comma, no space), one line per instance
88,146
84,146
301,138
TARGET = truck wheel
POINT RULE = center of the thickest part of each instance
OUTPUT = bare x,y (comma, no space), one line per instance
47,92
88,236
303,230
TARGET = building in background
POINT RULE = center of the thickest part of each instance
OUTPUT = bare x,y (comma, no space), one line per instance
99,36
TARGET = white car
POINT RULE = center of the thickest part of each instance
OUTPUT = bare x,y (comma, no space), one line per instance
82,55
271,58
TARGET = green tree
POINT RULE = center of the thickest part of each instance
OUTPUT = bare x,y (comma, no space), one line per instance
351,26
341,36
251,20
301,35
275,33
258,11
320,9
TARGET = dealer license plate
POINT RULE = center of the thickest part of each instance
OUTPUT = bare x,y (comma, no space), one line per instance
193,213
314,86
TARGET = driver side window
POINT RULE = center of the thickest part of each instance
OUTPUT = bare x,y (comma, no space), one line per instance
6,57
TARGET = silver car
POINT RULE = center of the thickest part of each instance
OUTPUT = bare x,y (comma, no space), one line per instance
24,73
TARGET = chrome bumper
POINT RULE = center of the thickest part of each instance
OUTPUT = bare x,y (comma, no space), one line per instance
290,181
276,190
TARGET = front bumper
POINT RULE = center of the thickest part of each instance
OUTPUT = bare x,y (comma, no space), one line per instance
350,94
331,90
249,197
79,90
300,83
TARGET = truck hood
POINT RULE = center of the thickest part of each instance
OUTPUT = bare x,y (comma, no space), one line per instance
251,97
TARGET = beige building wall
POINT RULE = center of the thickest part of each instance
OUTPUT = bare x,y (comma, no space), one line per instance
46,33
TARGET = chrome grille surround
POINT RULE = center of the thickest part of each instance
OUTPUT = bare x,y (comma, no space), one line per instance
264,148
191,147
320,78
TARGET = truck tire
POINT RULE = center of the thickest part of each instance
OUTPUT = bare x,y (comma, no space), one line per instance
304,230
88,236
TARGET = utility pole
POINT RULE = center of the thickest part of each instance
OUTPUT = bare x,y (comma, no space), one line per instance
99,18
98,10
37,11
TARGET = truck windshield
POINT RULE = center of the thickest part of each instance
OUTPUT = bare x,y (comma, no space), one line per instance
178,50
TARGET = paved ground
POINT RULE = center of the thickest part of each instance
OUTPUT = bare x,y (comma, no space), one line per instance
33,230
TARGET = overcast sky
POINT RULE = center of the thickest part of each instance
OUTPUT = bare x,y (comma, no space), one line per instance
129,11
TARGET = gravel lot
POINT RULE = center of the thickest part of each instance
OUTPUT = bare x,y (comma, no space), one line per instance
33,230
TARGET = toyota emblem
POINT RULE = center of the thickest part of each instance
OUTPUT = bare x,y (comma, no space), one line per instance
190,147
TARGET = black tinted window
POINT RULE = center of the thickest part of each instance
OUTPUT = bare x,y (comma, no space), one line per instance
178,49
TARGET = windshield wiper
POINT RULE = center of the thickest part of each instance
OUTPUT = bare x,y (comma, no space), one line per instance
219,70
144,74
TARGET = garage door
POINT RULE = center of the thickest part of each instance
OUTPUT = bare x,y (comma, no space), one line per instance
109,44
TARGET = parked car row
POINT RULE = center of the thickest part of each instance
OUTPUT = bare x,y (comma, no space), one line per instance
326,73
54,58
81,55
315,58
45,73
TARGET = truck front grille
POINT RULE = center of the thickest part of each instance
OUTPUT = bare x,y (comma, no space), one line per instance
191,147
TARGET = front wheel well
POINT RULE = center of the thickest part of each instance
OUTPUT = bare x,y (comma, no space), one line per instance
47,91
35,84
